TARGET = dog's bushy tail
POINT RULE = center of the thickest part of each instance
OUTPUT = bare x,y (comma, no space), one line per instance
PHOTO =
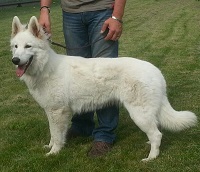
175,120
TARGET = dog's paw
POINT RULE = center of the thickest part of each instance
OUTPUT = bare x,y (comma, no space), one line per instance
150,158
54,150
146,159
50,153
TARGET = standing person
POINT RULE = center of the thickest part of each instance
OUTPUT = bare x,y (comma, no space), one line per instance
91,29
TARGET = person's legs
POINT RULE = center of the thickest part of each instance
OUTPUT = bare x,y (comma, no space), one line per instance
107,117
75,33
92,23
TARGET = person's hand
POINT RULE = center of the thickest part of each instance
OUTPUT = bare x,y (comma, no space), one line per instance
115,29
44,20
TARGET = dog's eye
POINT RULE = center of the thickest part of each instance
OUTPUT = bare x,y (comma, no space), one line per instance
27,46
16,46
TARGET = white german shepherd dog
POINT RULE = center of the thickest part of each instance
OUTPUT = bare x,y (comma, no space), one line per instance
65,85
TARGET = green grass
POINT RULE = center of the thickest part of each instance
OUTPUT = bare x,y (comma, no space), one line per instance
165,33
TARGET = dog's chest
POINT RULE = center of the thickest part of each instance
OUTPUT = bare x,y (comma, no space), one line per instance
47,97
40,97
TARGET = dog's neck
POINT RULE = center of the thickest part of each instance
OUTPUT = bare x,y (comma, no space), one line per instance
39,73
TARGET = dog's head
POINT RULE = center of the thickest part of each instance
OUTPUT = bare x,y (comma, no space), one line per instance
27,41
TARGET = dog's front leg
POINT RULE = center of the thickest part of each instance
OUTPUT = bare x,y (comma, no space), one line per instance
50,145
58,123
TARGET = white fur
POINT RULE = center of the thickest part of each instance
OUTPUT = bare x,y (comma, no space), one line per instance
64,85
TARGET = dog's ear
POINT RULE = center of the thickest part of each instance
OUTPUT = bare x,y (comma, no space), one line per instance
34,27
16,26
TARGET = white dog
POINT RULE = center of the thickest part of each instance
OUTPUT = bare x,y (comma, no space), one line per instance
65,85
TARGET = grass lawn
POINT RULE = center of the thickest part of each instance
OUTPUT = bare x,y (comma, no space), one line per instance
165,33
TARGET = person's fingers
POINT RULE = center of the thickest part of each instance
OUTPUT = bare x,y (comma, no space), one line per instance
115,29
104,27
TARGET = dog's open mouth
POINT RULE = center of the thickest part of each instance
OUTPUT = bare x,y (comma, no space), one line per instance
21,69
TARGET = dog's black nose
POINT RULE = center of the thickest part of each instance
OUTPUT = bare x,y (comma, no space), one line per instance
16,60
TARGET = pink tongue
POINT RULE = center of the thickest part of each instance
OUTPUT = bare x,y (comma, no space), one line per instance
20,71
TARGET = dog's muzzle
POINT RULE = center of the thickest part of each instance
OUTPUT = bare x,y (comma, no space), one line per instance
21,68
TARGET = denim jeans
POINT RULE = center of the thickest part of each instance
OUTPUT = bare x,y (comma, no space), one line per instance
83,38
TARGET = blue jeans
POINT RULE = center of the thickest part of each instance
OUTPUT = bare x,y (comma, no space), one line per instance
80,30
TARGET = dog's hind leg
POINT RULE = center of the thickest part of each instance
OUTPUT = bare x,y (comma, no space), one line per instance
155,137
145,119
58,123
